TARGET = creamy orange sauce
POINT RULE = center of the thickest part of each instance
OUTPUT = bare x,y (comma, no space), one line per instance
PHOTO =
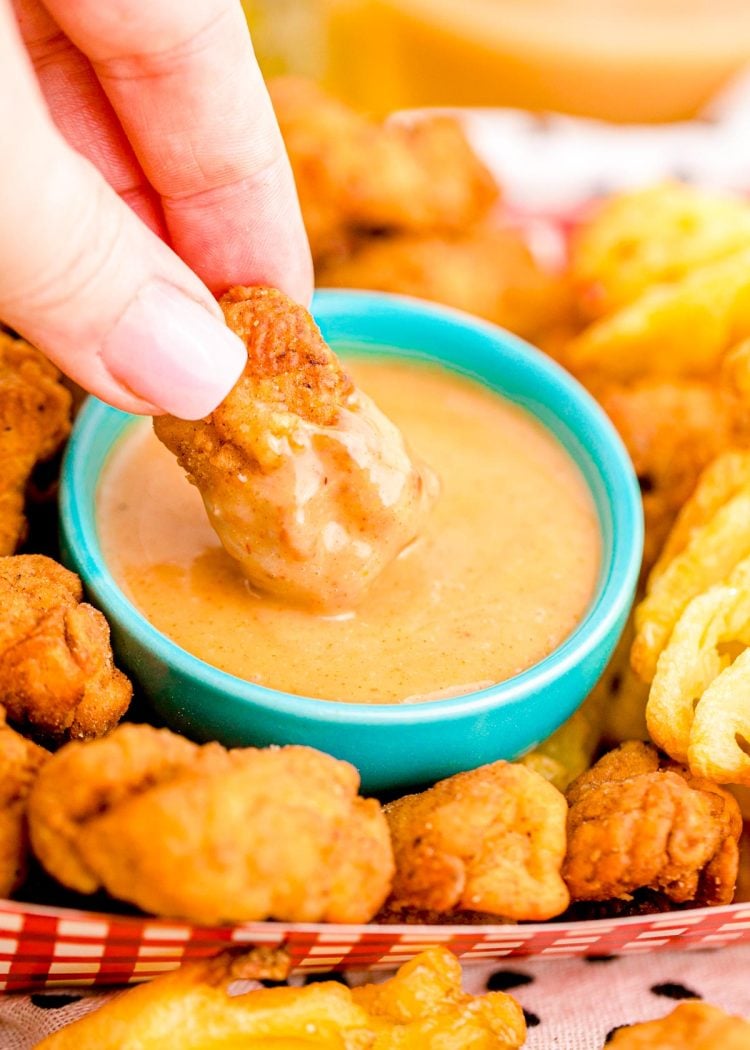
502,572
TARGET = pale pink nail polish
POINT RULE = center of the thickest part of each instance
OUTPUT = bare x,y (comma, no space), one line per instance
169,350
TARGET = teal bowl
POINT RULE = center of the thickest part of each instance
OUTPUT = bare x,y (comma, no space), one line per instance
395,745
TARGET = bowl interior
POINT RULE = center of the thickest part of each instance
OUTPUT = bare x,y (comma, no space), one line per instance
361,323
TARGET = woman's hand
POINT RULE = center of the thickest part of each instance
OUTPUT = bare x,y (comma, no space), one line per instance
142,170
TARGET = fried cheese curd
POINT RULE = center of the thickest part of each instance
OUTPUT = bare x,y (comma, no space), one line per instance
308,485
20,762
57,675
491,840
699,1026
198,1007
356,176
636,822
210,835
487,272
34,422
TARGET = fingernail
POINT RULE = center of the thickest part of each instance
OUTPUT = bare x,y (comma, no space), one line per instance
169,350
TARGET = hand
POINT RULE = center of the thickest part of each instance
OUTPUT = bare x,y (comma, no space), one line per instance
142,170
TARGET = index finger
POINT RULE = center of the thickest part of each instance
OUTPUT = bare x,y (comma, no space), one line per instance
185,84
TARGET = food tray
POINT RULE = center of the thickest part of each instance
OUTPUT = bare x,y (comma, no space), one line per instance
44,947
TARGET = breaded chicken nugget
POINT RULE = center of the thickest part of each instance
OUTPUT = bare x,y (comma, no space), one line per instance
652,236
20,762
34,422
637,823
57,675
699,1026
490,273
308,485
422,1007
354,175
211,835
490,840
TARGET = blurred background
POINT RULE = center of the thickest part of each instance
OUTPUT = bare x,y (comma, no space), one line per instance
620,60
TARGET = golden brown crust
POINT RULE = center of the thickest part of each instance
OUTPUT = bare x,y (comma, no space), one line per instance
636,823
491,840
57,675
20,762
34,421
276,833
699,1026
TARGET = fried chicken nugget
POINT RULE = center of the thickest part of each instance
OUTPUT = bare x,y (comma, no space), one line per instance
635,823
57,675
672,430
699,1026
672,330
20,762
490,273
652,236
491,840
422,1007
308,485
354,175
34,422
211,835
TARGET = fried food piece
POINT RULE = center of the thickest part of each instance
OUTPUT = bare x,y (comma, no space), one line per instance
710,553
490,273
34,422
623,696
636,823
677,330
20,762
672,430
211,835
568,752
651,236
308,485
57,675
490,840
422,1007
697,1025
355,175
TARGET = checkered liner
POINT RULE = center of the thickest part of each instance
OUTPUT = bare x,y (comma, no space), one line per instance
46,947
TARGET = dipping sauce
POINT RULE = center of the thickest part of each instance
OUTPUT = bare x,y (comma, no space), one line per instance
503,571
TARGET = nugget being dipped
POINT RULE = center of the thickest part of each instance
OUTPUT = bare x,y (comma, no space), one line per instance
310,488
636,822
211,835
491,840
422,1007
20,762
57,675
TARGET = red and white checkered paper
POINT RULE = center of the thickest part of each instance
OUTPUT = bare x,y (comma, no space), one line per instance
47,947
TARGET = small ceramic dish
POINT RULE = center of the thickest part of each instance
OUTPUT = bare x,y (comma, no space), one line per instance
392,745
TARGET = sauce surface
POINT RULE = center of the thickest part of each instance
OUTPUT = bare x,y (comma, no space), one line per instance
502,572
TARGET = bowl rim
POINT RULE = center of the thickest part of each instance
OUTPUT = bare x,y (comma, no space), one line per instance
617,577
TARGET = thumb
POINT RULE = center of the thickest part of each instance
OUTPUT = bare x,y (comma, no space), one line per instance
88,283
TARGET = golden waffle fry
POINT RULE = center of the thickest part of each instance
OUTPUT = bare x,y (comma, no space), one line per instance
652,236
679,329
720,738
710,554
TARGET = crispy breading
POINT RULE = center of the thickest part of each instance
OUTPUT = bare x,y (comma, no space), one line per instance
490,840
488,272
57,675
355,175
34,422
20,762
422,1007
655,235
211,835
699,1026
309,487
635,822
672,430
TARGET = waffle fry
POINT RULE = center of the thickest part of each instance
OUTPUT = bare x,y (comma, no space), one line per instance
720,738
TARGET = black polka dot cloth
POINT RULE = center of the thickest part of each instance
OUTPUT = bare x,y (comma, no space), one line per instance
569,1004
